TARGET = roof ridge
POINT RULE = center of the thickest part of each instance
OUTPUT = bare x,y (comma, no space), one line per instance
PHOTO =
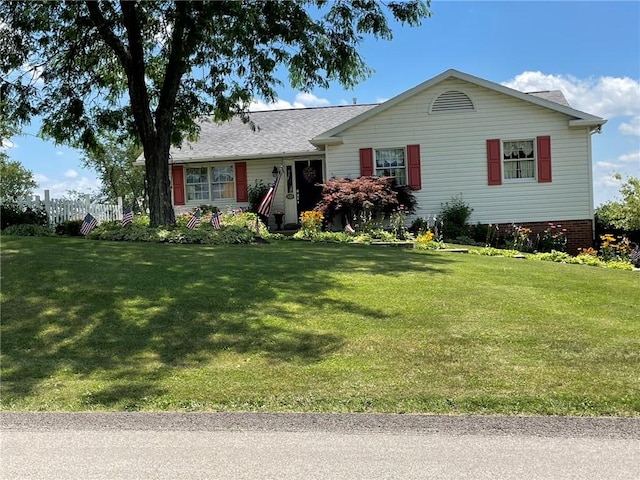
313,108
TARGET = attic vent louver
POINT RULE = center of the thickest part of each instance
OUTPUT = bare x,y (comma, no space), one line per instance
452,101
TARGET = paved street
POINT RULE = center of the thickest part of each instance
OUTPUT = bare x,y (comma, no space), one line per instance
313,446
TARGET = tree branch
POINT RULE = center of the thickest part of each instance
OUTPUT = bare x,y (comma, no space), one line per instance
138,92
100,22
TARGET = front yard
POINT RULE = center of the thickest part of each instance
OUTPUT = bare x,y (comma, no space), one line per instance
298,326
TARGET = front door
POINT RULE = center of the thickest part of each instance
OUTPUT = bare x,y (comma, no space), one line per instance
308,178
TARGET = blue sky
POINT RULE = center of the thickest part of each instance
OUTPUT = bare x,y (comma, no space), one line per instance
589,50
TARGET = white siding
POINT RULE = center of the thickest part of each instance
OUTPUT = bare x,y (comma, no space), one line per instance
453,155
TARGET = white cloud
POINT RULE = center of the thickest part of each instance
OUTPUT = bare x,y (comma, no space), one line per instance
632,127
608,181
310,100
40,178
7,144
606,97
607,165
71,180
630,157
302,100
59,153
59,188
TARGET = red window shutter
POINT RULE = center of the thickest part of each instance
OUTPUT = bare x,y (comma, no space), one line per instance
544,159
177,173
494,162
366,162
242,194
413,165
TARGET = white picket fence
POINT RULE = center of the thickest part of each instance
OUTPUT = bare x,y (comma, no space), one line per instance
61,210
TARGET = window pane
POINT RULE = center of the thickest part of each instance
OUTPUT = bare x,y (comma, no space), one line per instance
390,163
519,169
518,159
197,185
518,149
222,182
390,157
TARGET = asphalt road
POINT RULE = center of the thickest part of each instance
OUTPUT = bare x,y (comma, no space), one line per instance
315,446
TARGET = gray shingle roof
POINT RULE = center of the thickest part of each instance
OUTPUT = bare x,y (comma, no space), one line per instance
552,95
277,132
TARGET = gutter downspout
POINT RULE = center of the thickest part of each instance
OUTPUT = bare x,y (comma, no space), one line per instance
591,131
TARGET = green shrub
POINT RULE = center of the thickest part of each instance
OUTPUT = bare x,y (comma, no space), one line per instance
419,226
454,216
234,235
28,230
554,256
464,240
329,237
495,252
69,227
619,265
255,194
13,214
203,234
482,234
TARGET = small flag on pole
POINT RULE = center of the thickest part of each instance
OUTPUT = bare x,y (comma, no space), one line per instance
267,201
127,217
194,221
215,220
88,224
348,228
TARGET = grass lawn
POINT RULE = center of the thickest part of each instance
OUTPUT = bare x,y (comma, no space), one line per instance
295,326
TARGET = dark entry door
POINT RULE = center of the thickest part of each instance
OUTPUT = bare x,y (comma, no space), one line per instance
308,178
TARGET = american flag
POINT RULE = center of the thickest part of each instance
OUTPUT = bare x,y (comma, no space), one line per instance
348,228
88,224
194,221
267,201
215,220
127,217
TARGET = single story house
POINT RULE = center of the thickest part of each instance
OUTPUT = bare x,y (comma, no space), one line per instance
515,157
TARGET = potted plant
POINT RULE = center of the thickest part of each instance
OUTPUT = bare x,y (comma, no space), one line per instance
279,215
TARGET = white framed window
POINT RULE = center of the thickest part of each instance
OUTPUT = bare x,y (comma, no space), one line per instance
391,162
222,182
519,160
210,183
197,180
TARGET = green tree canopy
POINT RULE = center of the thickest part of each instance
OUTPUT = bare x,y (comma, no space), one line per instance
624,214
113,160
151,70
15,180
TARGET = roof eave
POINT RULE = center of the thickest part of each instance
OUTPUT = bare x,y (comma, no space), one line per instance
580,122
237,158
324,141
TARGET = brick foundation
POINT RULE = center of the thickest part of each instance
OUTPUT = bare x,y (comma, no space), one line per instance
579,232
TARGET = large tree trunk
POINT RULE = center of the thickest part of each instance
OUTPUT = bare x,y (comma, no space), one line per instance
158,185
